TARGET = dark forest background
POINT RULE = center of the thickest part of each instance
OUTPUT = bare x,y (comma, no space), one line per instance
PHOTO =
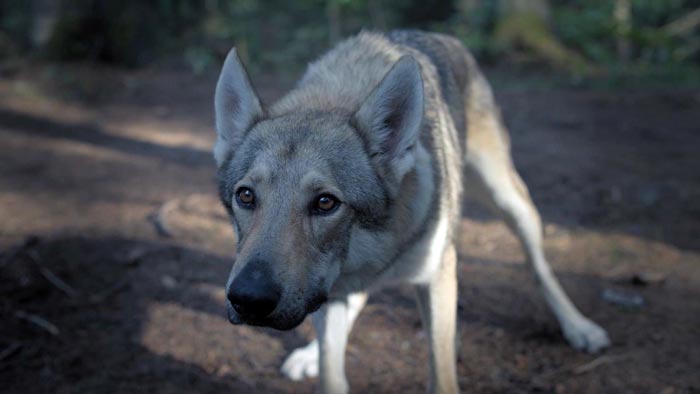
653,39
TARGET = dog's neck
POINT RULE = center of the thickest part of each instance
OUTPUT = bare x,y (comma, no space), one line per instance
372,253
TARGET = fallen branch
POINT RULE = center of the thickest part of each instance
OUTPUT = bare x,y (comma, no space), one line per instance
12,254
10,351
39,322
581,369
51,277
103,296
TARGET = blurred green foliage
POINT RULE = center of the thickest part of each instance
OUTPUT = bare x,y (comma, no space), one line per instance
129,32
15,23
591,28
280,36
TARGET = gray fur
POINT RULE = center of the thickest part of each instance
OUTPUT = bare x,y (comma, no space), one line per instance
395,126
237,107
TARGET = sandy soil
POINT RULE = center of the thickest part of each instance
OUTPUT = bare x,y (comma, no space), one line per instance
95,298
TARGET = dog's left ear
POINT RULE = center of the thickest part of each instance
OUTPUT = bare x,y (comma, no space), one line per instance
390,118
237,107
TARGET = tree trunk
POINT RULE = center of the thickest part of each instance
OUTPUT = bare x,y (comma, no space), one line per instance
333,17
44,17
524,24
376,14
621,13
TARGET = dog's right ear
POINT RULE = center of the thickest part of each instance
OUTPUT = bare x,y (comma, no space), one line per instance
236,105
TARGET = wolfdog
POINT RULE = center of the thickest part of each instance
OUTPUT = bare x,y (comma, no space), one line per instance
354,181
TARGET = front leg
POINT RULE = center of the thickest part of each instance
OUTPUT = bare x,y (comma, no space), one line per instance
304,362
332,324
437,301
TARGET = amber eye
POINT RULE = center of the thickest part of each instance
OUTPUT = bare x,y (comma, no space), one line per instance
245,197
326,203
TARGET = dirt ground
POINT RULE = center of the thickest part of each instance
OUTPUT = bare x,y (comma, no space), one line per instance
115,250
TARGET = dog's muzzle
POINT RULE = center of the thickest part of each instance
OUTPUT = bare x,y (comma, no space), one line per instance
254,298
252,295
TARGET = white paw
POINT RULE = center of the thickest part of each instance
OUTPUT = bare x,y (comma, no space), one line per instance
302,362
583,334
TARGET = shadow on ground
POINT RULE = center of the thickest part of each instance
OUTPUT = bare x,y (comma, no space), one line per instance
144,317
149,317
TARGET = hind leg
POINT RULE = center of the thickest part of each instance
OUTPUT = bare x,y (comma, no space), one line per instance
437,302
491,178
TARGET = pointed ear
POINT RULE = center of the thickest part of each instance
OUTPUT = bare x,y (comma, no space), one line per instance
236,105
390,119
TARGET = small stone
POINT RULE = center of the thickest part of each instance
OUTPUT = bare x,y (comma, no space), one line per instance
223,371
134,256
168,281
626,299
649,195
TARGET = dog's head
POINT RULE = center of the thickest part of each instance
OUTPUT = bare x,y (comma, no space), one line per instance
299,185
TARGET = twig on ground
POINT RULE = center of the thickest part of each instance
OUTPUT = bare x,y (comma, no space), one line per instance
51,277
11,255
10,350
581,369
103,296
602,360
39,322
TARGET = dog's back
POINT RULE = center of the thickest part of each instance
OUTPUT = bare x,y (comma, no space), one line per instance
344,76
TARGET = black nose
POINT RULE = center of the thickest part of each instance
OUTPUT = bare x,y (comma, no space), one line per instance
253,294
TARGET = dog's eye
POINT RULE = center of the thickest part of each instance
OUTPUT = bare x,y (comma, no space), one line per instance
245,197
325,204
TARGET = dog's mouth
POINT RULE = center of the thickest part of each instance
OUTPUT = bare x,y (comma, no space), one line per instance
283,324
277,320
